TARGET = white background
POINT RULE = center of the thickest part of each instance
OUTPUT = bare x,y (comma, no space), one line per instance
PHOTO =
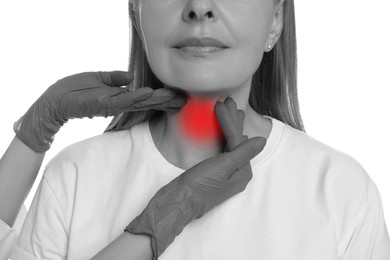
343,52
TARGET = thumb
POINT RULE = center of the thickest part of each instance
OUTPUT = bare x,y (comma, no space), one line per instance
116,78
246,151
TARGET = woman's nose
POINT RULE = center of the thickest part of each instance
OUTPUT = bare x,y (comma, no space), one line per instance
199,11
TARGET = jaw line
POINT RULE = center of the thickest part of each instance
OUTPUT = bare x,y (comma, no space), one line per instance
200,95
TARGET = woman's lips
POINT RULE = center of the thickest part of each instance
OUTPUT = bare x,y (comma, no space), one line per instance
200,42
199,47
200,50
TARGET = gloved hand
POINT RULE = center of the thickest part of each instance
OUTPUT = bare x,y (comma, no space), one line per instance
193,193
87,94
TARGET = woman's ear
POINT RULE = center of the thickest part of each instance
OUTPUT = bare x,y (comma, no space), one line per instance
277,26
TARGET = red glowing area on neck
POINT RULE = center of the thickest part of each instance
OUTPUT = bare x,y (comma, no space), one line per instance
198,121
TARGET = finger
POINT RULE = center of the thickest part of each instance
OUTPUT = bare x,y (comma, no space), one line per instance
233,141
171,105
177,102
142,93
124,98
225,120
164,92
244,173
144,99
126,103
228,127
170,110
174,105
116,78
241,116
241,177
159,97
232,106
152,102
245,152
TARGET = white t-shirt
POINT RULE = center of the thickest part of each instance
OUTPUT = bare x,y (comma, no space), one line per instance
305,201
8,236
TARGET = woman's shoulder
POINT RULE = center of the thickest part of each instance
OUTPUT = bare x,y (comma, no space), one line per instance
100,145
92,161
337,175
340,172
97,150
311,147
284,139
289,144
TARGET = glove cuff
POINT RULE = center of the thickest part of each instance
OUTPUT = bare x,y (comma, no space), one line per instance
144,224
35,131
165,217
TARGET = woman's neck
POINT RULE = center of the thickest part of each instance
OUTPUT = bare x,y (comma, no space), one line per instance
192,135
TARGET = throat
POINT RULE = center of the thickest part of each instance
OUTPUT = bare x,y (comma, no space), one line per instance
198,123
189,136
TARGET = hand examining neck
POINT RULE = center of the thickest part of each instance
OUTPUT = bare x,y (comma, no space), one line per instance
193,134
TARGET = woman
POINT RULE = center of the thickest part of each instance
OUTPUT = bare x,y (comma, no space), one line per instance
97,94
325,202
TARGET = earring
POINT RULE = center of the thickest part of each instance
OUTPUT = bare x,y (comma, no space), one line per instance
269,46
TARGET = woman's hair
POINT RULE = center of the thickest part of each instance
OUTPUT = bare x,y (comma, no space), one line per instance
274,84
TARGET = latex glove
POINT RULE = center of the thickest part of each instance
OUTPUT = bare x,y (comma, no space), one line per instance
193,193
87,94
